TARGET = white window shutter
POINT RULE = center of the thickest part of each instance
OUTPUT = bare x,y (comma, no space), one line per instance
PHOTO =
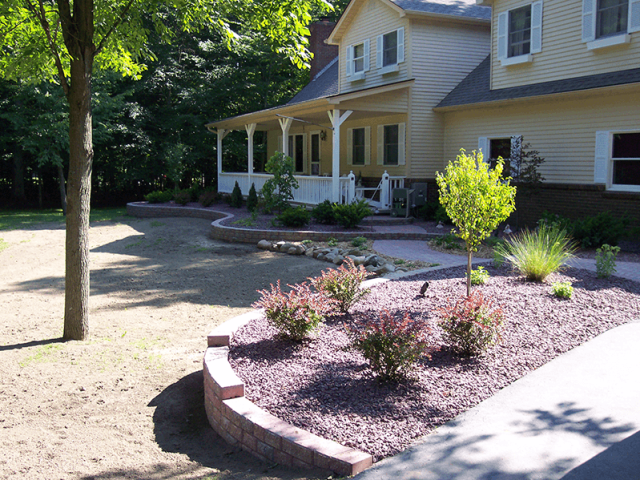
280,149
502,34
349,146
366,54
379,52
483,147
349,64
536,27
367,145
602,157
634,16
305,152
588,20
380,144
401,143
401,45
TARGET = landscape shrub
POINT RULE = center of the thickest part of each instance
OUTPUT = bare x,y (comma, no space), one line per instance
294,217
182,197
606,260
359,241
278,190
448,241
208,197
342,285
332,242
296,313
428,210
473,324
323,213
554,220
479,276
350,215
235,200
593,232
538,253
442,216
562,289
252,198
159,196
392,344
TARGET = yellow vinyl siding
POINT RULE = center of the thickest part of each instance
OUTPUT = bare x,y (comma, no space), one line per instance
374,18
564,54
443,54
563,131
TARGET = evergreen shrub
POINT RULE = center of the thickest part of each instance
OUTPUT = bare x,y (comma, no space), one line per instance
159,196
294,217
235,200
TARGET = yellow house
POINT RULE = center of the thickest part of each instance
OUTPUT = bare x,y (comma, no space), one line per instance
563,77
369,111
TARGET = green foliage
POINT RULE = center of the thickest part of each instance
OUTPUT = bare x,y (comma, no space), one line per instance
342,285
278,190
235,200
296,313
359,241
524,166
159,196
392,345
448,241
538,253
294,217
208,198
479,276
562,289
554,220
473,324
606,260
332,242
323,213
441,215
476,199
350,215
182,197
603,228
249,221
252,199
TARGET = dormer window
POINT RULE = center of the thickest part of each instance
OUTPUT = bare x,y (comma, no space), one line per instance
358,58
520,34
390,51
357,61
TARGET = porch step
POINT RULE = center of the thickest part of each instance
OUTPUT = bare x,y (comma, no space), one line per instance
386,220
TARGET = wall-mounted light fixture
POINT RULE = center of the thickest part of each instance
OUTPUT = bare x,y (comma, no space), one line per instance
323,135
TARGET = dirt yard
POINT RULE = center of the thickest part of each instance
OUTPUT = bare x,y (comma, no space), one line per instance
128,403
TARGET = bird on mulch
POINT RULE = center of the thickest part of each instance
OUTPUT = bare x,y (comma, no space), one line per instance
423,288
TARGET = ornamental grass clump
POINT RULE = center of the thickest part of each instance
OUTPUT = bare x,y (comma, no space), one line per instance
297,313
342,286
391,344
538,253
473,324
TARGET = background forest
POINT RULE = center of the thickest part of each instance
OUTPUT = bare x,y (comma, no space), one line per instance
148,134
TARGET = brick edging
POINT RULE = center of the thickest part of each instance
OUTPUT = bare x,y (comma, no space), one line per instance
240,422
248,235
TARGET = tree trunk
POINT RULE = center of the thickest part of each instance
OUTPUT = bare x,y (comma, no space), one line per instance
469,254
76,309
63,193
19,197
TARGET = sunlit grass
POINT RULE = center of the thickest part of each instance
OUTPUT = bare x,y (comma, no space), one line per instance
19,219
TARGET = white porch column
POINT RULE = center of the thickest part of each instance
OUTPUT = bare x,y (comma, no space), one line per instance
285,124
221,134
385,192
250,128
336,120
352,187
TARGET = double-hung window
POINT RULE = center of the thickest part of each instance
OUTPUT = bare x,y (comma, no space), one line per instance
611,17
606,23
390,51
358,146
617,160
520,34
357,61
507,148
391,144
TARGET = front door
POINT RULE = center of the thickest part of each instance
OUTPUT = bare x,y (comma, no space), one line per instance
296,151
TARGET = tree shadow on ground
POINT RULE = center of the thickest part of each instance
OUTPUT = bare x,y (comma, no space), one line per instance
34,343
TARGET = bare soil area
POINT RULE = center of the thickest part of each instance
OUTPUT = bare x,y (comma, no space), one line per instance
128,403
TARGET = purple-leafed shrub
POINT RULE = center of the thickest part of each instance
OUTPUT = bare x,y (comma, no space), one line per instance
342,285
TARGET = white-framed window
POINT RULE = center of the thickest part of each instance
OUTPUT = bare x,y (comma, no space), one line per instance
298,151
316,152
358,60
606,23
391,144
507,147
617,160
390,51
359,146
520,34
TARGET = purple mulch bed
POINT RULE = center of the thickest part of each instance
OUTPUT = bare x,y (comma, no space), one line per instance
326,388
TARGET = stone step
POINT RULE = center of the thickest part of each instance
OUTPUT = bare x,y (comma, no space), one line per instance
386,220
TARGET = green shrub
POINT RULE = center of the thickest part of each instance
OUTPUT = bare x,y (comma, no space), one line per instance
442,216
194,192
342,285
428,210
278,190
332,242
606,260
350,215
252,199
208,197
449,242
479,276
159,196
359,241
554,220
296,313
235,200
323,213
391,345
472,325
182,197
538,253
562,289
592,232
294,217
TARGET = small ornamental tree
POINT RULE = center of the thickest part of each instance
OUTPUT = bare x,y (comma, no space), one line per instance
278,190
476,199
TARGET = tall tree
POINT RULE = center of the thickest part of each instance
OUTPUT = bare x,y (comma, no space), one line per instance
63,40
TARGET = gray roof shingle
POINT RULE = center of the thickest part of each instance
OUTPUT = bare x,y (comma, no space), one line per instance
458,8
475,87
323,85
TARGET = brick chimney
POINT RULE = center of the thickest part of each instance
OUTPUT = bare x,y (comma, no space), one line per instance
322,53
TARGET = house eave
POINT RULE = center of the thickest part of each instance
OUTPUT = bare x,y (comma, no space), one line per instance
365,92
454,18
338,30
